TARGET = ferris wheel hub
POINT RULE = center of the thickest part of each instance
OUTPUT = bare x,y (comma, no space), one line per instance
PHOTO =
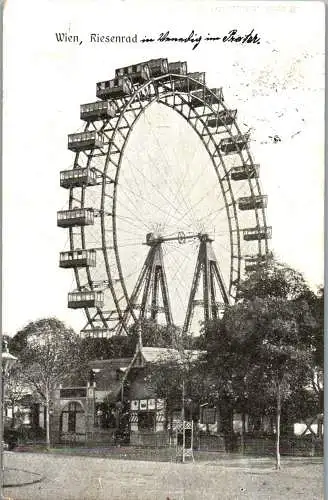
156,238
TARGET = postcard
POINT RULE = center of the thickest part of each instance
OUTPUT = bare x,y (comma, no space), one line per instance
154,153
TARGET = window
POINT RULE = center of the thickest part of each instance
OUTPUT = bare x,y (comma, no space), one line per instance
146,420
208,416
69,417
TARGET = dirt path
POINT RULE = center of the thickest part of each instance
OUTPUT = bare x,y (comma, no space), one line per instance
89,478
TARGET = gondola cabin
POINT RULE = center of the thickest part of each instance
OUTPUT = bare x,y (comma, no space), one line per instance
78,177
178,68
244,172
97,333
75,217
137,73
117,88
83,141
254,262
158,67
147,93
252,202
194,81
197,99
214,96
257,233
99,110
86,298
223,118
233,144
77,258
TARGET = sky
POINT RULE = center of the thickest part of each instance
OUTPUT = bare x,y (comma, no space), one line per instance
277,87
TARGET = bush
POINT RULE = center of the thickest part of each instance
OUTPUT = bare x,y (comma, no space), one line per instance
10,437
26,434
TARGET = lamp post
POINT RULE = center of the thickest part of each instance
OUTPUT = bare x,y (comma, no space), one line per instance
7,362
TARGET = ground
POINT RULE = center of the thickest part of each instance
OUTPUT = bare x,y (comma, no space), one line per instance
93,478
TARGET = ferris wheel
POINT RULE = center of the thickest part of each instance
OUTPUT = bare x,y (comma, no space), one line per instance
165,207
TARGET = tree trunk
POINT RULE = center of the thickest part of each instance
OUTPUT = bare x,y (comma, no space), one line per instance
12,415
278,426
242,435
47,421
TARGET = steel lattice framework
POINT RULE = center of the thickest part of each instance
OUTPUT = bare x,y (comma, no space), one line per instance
94,184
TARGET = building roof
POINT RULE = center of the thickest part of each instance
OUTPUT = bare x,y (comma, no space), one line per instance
105,373
161,354
110,364
158,354
105,370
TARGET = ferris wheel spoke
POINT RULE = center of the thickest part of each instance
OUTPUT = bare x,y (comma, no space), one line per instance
154,163
158,143
135,178
147,201
160,193
199,201
132,211
201,174
183,285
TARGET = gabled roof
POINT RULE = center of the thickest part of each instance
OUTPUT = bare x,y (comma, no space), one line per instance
110,364
105,372
162,354
142,356
158,354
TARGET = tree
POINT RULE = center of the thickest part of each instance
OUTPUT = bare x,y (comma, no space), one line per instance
314,339
226,368
155,335
275,279
15,389
281,358
48,352
179,378
261,347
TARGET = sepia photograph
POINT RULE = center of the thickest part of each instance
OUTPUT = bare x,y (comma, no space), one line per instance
163,255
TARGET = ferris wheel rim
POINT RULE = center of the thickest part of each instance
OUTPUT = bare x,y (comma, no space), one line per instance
185,97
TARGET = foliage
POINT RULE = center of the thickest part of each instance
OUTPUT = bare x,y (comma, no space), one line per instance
274,279
155,335
177,377
48,353
15,388
262,348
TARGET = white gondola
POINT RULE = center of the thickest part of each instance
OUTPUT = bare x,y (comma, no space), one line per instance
75,217
215,95
98,110
82,141
197,99
244,172
194,81
137,73
255,262
257,233
158,67
77,258
252,202
233,144
223,118
78,177
96,333
178,68
85,298
117,88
